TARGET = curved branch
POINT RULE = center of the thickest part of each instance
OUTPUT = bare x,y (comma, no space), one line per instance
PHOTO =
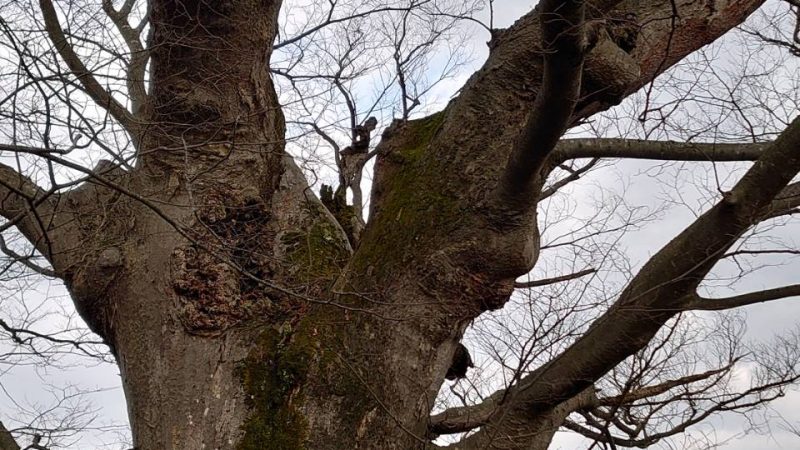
93,88
575,175
331,21
24,336
465,418
138,63
565,47
660,388
751,298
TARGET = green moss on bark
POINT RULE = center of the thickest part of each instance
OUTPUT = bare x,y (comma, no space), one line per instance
345,214
412,199
286,365
316,253
272,376
275,372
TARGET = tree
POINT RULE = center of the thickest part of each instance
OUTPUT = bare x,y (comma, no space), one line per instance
246,312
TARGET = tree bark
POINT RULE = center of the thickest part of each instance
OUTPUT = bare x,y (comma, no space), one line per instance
238,312
7,441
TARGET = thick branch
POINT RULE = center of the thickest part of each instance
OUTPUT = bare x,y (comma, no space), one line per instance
662,288
93,88
24,204
459,155
465,418
564,52
482,125
785,203
7,441
718,304
656,150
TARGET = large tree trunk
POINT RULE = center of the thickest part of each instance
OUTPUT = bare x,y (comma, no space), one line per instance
239,315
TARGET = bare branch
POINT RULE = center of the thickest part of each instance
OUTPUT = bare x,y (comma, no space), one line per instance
332,21
565,46
574,175
785,203
25,260
21,200
718,304
93,88
31,150
784,251
658,389
546,281
762,392
465,418
657,150
138,62
661,289
24,336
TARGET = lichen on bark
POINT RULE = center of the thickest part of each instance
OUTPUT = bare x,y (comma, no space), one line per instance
272,376
316,252
407,199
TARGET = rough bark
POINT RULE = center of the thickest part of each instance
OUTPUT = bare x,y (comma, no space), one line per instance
7,441
240,315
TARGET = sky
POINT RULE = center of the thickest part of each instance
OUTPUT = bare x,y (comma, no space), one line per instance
32,388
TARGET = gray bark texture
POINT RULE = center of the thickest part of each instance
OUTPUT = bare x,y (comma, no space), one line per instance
239,312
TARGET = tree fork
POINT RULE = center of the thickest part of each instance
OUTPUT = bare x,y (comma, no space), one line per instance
221,348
